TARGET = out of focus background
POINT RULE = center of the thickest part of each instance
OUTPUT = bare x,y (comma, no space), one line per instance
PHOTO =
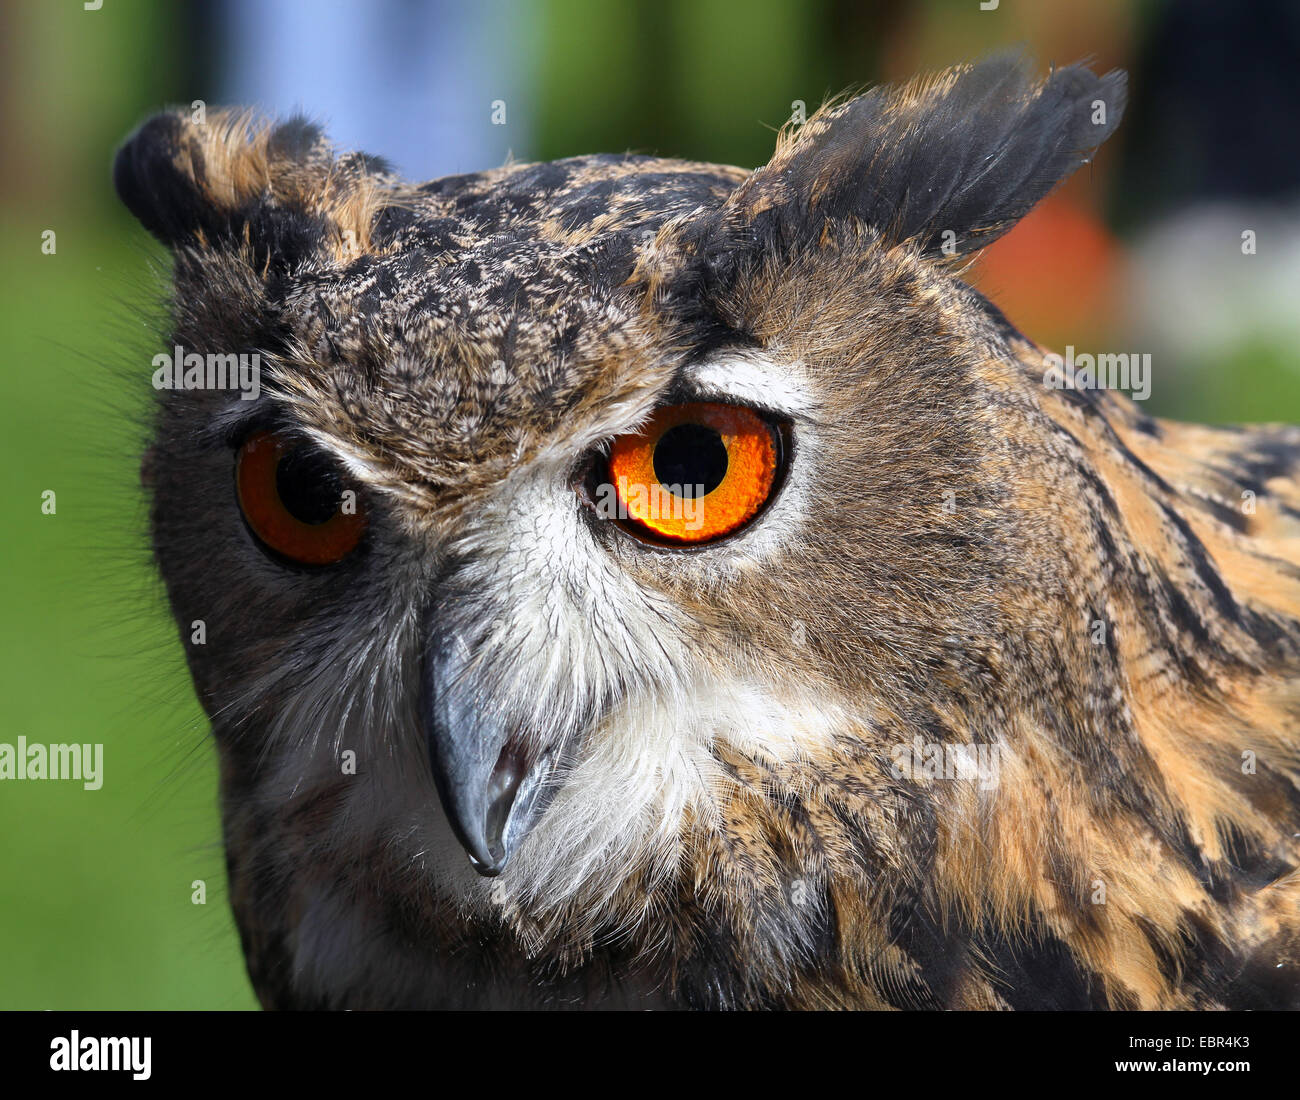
1181,240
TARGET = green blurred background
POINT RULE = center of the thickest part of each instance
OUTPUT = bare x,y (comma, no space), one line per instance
1139,252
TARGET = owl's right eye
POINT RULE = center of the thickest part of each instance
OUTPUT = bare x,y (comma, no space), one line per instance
295,501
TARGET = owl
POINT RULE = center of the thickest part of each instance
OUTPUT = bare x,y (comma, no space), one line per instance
633,582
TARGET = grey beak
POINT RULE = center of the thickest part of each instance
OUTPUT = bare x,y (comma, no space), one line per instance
488,785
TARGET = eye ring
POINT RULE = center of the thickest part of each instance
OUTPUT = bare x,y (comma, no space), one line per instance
295,501
696,473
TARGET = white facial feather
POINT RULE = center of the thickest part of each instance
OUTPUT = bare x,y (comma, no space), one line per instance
763,380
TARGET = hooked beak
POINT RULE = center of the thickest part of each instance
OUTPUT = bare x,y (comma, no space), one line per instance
490,782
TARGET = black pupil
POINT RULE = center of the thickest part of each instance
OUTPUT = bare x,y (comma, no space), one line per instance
691,454
309,485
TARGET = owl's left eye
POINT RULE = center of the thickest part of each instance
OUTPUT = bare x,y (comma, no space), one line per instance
695,473
295,500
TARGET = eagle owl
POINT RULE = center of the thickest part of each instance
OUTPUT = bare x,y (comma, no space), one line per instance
640,582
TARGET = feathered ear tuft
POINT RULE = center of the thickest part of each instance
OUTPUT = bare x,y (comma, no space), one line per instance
947,162
232,181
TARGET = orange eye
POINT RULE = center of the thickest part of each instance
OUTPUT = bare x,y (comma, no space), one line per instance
295,500
695,472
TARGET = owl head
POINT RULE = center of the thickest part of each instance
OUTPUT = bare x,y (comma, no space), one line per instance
608,521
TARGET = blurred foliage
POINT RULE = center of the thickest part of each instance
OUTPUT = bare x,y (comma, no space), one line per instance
95,887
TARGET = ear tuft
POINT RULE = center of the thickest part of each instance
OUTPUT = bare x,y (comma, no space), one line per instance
950,160
151,186
231,180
